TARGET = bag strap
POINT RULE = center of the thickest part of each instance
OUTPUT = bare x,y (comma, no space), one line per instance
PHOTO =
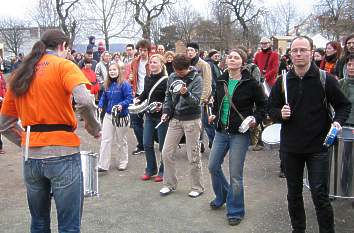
231,103
328,106
266,64
155,85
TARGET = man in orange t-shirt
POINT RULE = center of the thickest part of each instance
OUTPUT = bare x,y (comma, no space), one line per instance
40,96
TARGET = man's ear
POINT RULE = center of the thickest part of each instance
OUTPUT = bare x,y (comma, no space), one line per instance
63,46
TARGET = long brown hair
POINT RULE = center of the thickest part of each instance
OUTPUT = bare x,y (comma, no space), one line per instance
22,77
120,78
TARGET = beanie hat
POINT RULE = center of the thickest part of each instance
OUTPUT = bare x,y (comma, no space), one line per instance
212,52
193,45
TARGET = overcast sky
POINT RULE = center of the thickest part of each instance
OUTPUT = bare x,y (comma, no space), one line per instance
19,8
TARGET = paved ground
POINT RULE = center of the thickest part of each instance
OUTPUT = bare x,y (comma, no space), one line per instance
127,204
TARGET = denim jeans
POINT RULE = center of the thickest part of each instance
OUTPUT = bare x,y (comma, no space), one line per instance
318,173
149,130
137,123
232,193
62,176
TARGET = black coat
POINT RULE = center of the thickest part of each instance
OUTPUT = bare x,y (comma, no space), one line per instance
158,95
247,94
309,122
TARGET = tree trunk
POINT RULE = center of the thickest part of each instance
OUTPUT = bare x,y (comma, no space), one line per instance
146,31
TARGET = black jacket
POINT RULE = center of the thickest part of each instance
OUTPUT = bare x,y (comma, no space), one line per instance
158,95
309,122
247,94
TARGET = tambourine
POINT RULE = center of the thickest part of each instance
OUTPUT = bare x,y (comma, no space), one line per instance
153,106
176,86
119,121
135,109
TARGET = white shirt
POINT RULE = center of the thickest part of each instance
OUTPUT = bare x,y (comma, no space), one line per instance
141,76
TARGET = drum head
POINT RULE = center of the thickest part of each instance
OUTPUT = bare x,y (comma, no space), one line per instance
271,134
177,87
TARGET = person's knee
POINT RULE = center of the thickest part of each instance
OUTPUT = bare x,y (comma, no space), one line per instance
148,147
320,195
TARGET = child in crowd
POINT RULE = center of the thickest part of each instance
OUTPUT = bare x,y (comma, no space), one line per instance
117,96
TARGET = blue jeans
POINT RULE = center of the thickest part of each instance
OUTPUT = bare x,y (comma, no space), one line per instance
137,123
149,130
232,193
62,176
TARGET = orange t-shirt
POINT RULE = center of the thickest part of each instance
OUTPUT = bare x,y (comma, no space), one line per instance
48,101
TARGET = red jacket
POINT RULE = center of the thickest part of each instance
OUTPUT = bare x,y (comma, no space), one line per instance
91,76
2,85
133,76
260,59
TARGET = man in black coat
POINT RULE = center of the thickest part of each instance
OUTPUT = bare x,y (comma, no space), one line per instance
305,123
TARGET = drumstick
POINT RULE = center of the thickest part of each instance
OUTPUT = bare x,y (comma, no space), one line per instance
283,72
158,125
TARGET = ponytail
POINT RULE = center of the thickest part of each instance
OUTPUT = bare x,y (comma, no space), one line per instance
23,76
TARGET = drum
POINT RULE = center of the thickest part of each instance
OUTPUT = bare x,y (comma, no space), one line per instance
135,109
271,137
90,173
341,180
176,86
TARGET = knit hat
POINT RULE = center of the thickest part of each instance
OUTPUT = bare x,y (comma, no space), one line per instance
193,45
101,46
265,40
212,52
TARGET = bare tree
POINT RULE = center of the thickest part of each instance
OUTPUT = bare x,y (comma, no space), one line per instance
45,14
335,17
68,23
111,18
222,17
12,34
185,19
145,11
271,23
245,12
287,15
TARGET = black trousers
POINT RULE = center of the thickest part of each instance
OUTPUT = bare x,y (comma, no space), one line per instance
318,173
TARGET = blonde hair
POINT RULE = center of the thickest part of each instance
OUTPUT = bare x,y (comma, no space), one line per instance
104,53
120,78
162,61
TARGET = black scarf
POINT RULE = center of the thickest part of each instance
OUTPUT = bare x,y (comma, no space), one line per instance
265,50
318,63
331,58
195,60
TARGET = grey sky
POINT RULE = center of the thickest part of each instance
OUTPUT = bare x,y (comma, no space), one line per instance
19,8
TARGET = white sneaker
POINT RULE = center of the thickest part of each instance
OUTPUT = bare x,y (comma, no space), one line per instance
122,166
194,194
165,191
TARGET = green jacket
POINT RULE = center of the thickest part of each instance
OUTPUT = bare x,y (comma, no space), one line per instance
347,86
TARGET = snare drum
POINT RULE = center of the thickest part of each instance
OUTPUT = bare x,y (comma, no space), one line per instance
271,137
135,109
90,173
341,180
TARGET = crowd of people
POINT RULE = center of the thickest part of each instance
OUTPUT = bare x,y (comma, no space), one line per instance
231,96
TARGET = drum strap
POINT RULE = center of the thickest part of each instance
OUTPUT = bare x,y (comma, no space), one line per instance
231,103
156,84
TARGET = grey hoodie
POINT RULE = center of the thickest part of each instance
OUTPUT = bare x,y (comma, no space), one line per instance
184,107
